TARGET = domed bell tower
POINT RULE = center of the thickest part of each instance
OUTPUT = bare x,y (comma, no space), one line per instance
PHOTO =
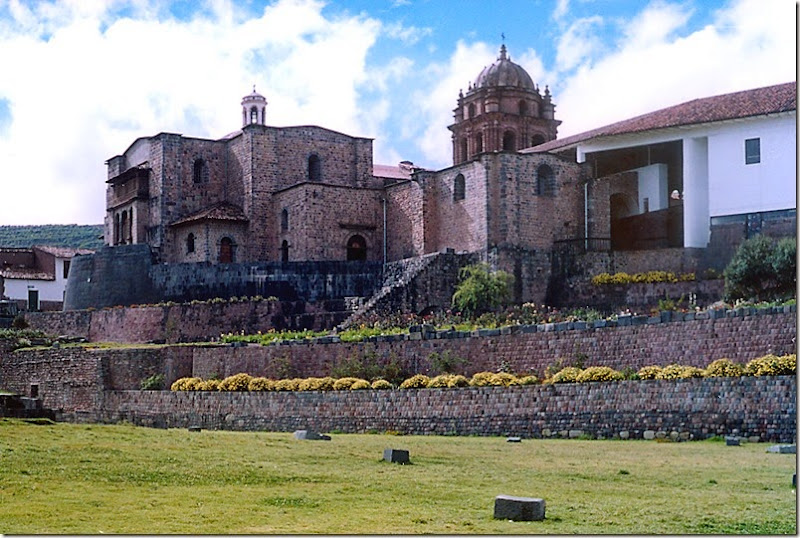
254,109
501,111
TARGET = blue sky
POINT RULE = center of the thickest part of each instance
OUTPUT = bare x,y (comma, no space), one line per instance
82,79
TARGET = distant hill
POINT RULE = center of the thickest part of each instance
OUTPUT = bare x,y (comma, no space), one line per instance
53,235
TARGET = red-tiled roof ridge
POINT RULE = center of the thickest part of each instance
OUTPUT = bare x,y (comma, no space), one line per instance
741,104
63,252
218,211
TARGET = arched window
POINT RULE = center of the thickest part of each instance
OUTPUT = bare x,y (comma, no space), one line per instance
116,229
459,188
523,108
199,171
536,140
285,251
226,250
190,243
314,168
471,110
129,231
123,227
284,219
479,143
509,141
464,154
253,115
545,181
356,249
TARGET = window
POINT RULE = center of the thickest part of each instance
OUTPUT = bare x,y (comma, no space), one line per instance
254,115
536,140
226,250
190,243
479,143
509,141
459,188
471,110
66,269
199,171
646,205
314,168
545,181
356,249
285,251
284,220
464,155
752,151
523,108
33,300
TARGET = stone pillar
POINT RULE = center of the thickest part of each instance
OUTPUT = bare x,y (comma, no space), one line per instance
696,218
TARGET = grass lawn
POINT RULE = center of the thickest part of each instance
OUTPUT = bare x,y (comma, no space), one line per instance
74,479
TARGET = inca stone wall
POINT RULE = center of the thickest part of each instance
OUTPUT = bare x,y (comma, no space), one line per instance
763,407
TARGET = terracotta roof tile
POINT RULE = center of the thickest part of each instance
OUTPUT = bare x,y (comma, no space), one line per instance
757,102
63,252
221,211
26,274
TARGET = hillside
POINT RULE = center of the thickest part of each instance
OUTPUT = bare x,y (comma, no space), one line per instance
54,235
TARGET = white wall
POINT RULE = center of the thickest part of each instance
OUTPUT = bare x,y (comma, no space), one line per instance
653,186
696,223
736,187
49,290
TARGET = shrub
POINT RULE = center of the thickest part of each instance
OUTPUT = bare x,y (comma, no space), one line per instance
762,269
260,384
287,385
209,385
360,384
317,383
480,289
481,379
419,381
772,365
154,382
676,371
527,380
440,381
446,363
344,383
185,383
381,384
457,381
567,375
649,372
235,383
599,373
503,379
723,368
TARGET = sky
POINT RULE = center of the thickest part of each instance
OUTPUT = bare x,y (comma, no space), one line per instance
80,80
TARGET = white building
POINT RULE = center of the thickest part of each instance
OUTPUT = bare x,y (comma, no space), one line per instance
36,277
718,165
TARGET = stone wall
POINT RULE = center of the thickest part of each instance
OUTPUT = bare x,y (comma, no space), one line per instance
763,407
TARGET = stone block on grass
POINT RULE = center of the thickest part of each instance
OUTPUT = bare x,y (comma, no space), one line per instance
394,455
783,449
310,435
518,508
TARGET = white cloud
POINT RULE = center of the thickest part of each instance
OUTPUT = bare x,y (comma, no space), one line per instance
562,7
93,83
579,43
751,43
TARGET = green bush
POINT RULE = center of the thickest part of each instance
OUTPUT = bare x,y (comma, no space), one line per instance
260,384
599,373
154,382
649,372
567,375
772,365
381,384
235,383
723,368
762,270
481,290
419,381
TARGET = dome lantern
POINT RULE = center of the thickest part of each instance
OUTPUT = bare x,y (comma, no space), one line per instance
254,108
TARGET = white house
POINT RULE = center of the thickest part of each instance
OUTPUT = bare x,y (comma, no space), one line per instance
36,277
727,160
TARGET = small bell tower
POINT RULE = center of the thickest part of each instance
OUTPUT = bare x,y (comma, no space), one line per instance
254,108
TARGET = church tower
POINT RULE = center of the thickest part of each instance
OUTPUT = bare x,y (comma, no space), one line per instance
501,111
254,108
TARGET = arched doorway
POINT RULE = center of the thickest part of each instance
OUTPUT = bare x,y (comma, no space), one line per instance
226,250
356,249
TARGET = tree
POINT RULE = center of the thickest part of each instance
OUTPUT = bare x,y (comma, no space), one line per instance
481,290
762,269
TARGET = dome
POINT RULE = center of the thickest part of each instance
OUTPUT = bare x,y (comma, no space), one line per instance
504,72
254,97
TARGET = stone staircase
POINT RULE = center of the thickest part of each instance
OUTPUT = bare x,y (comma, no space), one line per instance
413,284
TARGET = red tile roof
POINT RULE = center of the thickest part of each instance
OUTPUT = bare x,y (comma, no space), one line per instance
744,104
21,273
221,211
63,252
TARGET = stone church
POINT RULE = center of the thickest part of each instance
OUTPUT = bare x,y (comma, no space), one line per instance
306,193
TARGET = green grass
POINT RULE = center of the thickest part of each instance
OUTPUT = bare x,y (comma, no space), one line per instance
75,479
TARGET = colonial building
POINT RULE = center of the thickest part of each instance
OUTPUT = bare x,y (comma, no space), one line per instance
677,182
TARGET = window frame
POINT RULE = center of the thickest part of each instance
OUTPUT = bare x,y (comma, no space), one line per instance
752,150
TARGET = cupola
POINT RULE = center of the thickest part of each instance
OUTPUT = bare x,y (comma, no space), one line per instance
254,107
